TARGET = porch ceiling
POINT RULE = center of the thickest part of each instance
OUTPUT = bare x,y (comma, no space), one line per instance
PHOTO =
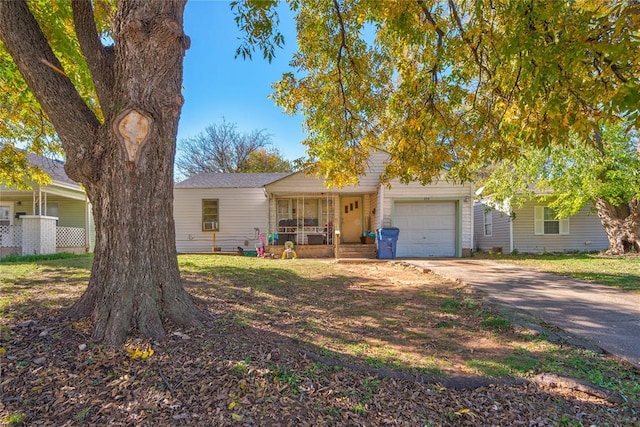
68,193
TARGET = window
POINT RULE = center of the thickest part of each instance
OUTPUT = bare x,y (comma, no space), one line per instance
546,222
306,211
300,218
50,209
551,224
210,215
6,213
310,209
488,222
285,211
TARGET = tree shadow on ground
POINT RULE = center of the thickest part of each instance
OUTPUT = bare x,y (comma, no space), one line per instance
230,372
262,360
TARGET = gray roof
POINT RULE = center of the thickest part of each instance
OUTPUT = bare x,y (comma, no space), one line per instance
53,167
231,180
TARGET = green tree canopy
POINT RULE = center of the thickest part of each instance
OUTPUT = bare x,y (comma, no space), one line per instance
604,175
25,124
575,174
267,159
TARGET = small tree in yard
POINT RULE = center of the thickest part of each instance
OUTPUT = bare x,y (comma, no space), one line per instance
267,160
119,142
605,174
222,148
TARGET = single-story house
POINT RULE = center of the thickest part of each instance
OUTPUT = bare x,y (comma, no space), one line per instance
46,219
534,228
229,211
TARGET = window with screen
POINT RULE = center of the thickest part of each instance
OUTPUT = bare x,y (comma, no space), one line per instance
210,215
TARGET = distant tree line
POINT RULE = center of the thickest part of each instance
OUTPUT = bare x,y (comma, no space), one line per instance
223,148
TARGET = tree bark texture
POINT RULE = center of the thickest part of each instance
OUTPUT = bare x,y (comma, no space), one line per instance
125,163
621,225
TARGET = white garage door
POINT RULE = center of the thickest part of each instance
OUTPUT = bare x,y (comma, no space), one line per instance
427,229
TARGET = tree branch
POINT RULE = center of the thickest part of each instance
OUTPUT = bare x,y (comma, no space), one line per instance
512,91
98,57
429,17
72,119
467,40
343,46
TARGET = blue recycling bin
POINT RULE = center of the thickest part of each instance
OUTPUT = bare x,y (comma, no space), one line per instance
387,242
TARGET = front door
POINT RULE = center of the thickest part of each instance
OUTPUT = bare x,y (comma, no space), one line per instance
351,219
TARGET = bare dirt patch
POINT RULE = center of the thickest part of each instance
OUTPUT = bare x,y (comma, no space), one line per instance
291,343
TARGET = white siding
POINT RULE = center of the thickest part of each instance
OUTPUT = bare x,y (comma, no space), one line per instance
585,233
366,212
373,210
380,208
299,183
500,230
440,191
240,211
71,212
243,209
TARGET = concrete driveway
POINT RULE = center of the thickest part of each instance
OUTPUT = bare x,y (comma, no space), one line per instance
607,317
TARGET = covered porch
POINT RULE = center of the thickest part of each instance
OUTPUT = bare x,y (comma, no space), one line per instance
322,225
44,220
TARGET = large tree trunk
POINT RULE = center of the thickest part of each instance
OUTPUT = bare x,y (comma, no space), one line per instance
125,162
135,281
621,225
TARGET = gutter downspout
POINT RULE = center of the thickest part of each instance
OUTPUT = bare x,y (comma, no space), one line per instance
87,224
511,231
472,234
381,209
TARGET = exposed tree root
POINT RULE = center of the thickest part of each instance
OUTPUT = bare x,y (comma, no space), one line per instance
469,382
457,383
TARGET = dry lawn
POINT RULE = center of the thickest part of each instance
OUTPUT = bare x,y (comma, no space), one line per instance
294,343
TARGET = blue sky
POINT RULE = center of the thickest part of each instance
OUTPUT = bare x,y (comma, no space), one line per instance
217,86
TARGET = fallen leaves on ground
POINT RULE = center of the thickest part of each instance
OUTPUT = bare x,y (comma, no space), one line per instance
243,370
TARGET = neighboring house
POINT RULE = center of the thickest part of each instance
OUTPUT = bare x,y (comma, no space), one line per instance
534,228
434,220
48,219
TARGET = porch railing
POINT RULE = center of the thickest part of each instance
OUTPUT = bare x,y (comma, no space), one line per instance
70,237
66,237
10,236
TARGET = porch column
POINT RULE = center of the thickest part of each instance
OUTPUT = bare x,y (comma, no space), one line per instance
38,234
87,224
